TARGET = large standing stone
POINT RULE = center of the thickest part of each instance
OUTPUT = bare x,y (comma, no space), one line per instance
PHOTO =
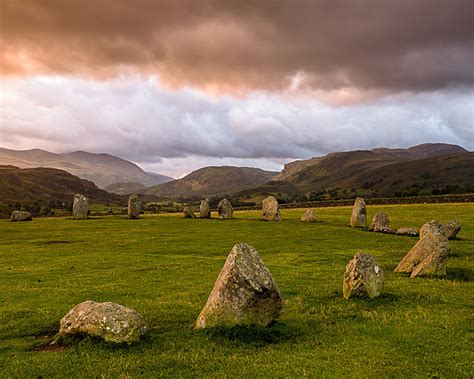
244,293
270,209
363,275
435,263
134,206
188,212
449,229
308,216
205,209
412,232
359,214
379,221
21,216
225,209
80,207
110,321
418,253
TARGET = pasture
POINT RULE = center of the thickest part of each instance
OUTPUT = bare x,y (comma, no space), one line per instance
165,266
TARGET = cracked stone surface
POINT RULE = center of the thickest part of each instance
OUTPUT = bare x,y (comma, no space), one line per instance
435,263
449,229
109,321
270,209
245,293
363,275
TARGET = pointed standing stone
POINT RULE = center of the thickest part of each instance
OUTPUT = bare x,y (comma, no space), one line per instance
363,275
225,209
270,209
308,216
244,293
205,209
359,214
134,206
80,207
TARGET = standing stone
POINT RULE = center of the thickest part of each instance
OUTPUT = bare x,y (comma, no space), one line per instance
244,293
363,275
449,229
379,221
134,206
412,232
225,209
80,207
418,253
205,209
109,321
435,263
270,209
359,214
308,216
21,216
188,212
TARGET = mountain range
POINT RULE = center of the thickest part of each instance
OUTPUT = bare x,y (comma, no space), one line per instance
422,169
102,169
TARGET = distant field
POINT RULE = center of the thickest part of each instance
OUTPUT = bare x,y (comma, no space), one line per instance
165,266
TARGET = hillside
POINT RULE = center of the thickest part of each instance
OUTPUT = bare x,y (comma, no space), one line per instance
45,185
102,169
213,181
386,172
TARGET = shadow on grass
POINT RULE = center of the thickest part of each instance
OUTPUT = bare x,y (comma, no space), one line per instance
461,274
257,336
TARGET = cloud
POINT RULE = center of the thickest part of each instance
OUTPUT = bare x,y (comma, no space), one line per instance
138,118
234,46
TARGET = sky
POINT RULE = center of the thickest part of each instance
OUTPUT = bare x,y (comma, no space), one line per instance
175,85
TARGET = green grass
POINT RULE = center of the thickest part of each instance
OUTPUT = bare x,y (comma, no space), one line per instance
165,266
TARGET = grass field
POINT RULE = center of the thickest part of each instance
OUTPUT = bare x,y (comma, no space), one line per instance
165,267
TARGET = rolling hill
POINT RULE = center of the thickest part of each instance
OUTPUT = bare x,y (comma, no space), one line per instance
213,181
102,169
383,171
45,185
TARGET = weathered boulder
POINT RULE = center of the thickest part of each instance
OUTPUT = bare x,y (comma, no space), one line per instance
244,293
363,275
308,216
188,212
385,230
225,210
80,207
412,232
205,209
435,263
109,321
134,206
21,216
270,209
359,214
418,253
379,221
449,229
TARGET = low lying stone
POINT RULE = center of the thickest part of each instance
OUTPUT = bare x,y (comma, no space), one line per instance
80,207
109,321
134,206
359,214
308,216
21,216
412,232
245,293
224,209
449,229
205,209
270,209
386,230
363,275
188,212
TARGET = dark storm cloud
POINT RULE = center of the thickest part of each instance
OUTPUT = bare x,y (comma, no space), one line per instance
386,46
